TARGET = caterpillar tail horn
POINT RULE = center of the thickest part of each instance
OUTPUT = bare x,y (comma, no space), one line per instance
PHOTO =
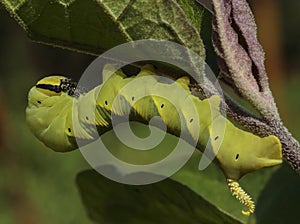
242,196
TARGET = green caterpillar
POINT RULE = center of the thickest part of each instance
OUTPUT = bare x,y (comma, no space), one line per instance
51,118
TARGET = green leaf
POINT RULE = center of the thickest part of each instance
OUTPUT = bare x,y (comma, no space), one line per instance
279,201
209,183
94,26
167,201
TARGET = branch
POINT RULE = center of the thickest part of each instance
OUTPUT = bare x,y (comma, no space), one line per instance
241,63
241,60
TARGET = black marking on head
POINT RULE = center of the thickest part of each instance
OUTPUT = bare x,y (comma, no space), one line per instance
191,120
66,85
39,102
87,118
216,138
162,105
69,130
237,156
132,98
53,88
106,103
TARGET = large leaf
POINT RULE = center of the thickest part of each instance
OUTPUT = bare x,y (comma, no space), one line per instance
93,26
163,202
209,183
279,201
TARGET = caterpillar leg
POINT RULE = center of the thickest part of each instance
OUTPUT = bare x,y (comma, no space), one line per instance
241,195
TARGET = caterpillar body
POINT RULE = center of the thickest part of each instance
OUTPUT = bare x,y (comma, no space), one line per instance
56,108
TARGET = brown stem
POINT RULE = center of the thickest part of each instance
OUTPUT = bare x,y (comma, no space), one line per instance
290,146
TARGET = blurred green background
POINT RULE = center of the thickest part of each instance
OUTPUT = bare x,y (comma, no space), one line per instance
37,184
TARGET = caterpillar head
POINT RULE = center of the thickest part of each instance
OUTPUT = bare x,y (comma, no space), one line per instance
47,113
46,88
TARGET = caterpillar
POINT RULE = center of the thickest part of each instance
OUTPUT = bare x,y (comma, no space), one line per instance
56,108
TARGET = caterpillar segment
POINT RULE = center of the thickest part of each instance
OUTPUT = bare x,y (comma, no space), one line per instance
58,114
